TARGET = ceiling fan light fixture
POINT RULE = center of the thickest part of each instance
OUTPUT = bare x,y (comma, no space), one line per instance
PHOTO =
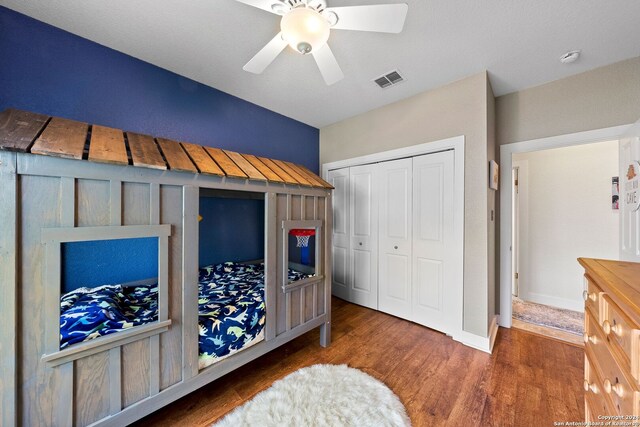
304,29
331,17
279,8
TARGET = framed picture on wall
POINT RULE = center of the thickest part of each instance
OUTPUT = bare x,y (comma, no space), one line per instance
615,193
494,175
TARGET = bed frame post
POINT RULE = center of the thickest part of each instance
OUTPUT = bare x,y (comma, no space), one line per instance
115,354
325,329
154,341
270,257
8,286
190,208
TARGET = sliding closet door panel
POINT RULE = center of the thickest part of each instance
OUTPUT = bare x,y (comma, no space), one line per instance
341,236
364,236
429,271
362,264
430,205
362,196
432,239
395,211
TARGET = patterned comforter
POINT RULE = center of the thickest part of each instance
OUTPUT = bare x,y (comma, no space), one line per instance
88,313
231,309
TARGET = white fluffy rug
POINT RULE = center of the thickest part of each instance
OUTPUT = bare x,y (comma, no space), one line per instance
322,395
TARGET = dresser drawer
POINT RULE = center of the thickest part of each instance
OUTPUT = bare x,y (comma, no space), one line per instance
618,387
592,296
591,327
588,417
596,402
587,410
612,340
622,332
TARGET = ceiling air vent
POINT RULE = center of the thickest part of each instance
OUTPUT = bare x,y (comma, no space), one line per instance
389,79
383,82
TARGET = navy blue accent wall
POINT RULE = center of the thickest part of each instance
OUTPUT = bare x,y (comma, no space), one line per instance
108,262
231,230
50,71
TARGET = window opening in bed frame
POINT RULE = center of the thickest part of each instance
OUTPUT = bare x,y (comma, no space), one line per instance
107,286
302,253
231,277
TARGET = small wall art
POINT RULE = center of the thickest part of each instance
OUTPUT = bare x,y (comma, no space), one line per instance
615,193
494,174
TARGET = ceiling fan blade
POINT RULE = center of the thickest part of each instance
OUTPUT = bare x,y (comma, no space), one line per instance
381,18
266,56
273,6
328,65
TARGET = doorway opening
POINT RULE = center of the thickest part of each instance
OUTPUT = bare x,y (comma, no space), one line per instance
507,151
562,209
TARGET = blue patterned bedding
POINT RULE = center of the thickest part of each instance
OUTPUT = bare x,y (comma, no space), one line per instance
231,309
88,313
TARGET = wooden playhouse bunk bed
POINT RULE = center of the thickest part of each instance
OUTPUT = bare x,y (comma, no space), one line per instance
62,181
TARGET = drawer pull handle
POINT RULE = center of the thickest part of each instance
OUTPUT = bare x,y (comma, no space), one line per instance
616,329
589,338
617,389
590,387
589,296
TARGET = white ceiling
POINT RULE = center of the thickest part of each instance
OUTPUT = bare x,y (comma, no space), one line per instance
517,41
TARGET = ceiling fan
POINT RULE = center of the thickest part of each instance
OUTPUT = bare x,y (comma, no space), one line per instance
305,26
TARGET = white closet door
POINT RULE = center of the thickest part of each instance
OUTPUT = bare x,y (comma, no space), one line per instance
394,190
432,240
364,236
340,281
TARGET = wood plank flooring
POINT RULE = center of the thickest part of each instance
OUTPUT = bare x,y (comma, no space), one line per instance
529,380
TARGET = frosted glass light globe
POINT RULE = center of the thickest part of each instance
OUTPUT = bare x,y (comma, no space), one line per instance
304,29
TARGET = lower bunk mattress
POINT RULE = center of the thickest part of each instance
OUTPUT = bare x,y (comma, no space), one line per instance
231,310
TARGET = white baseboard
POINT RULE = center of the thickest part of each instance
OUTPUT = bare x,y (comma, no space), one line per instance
569,304
476,341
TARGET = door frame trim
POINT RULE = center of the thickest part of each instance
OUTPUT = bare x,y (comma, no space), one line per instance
457,144
506,188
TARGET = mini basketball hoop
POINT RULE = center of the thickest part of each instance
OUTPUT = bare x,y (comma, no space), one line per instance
302,236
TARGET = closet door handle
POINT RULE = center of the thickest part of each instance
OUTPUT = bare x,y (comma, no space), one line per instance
360,243
395,247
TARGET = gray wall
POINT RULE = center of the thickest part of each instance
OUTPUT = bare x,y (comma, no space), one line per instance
459,108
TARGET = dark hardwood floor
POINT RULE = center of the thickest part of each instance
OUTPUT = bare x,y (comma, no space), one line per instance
528,380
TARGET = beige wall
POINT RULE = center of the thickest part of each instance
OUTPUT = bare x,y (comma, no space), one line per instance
459,108
492,207
600,98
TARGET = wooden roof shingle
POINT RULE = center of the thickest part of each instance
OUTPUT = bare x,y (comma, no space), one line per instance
27,132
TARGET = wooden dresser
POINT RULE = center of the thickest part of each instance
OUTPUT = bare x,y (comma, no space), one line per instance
612,340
